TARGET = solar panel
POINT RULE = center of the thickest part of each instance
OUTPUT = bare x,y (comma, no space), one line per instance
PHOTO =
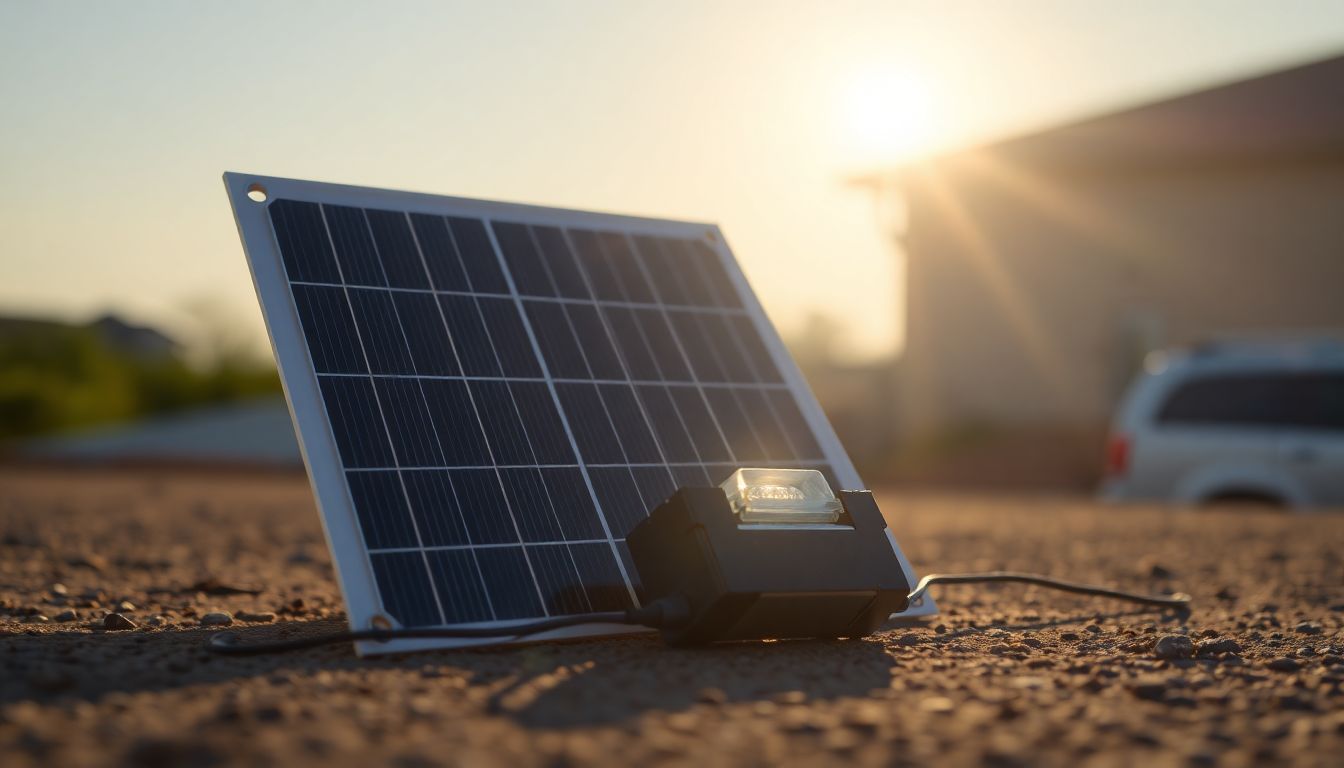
489,396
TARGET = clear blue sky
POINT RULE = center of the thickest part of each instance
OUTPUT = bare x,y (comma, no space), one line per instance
120,117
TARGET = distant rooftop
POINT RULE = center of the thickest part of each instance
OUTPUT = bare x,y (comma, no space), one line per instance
138,340
1294,114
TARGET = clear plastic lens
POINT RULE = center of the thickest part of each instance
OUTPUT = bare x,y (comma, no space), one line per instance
781,496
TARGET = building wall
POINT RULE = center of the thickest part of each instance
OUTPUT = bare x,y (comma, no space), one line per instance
1032,294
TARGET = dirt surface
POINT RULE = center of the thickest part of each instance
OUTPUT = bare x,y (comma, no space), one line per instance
1007,675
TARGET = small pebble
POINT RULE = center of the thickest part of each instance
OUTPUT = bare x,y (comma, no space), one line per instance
1284,664
1223,645
1308,628
115,622
67,615
60,590
1174,647
216,619
125,606
262,616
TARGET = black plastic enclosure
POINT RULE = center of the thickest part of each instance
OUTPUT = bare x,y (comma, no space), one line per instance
753,582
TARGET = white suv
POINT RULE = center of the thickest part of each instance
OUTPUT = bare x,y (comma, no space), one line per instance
1233,422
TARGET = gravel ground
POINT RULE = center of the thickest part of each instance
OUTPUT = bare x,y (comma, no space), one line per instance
1007,675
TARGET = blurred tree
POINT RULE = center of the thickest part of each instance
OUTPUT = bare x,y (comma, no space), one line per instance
56,377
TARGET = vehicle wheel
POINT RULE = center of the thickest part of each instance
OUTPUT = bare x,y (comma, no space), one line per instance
1246,499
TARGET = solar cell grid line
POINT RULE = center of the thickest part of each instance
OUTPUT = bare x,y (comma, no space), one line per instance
511,502
435,577
536,347
359,335
363,509
415,322
601,329
699,389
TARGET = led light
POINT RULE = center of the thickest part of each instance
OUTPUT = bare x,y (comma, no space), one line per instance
797,496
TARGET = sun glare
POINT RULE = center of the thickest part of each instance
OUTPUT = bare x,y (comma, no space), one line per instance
887,117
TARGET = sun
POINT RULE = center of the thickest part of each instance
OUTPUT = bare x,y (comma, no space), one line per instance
886,116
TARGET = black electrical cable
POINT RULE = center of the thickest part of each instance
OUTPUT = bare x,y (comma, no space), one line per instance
661,613
1178,600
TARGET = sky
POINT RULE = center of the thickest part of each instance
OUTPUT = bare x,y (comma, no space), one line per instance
119,118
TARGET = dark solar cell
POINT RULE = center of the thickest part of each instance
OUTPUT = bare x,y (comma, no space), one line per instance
456,423
683,254
588,420
735,425
403,584
599,269
304,246
381,508
460,586
425,333
380,331
714,275
529,272
601,577
434,507
719,332
754,350
621,503
699,424
561,587
466,327
530,504
795,427
478,255
690,477
699,349
484,509
664,270
771,434
354,246
636,440
662,345
503,427
564,357
356,422
573,503
333,343
678,447
545,431
509,582
634,350
655,485
396,247
408,424
627,268
561,262
512,346
602,359
436,245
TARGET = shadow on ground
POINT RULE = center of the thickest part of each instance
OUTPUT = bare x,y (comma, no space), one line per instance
552,685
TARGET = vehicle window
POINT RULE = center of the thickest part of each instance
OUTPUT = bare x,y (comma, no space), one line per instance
1289,400
1328,401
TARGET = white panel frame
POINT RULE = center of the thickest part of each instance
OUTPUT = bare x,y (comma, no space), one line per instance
299,378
